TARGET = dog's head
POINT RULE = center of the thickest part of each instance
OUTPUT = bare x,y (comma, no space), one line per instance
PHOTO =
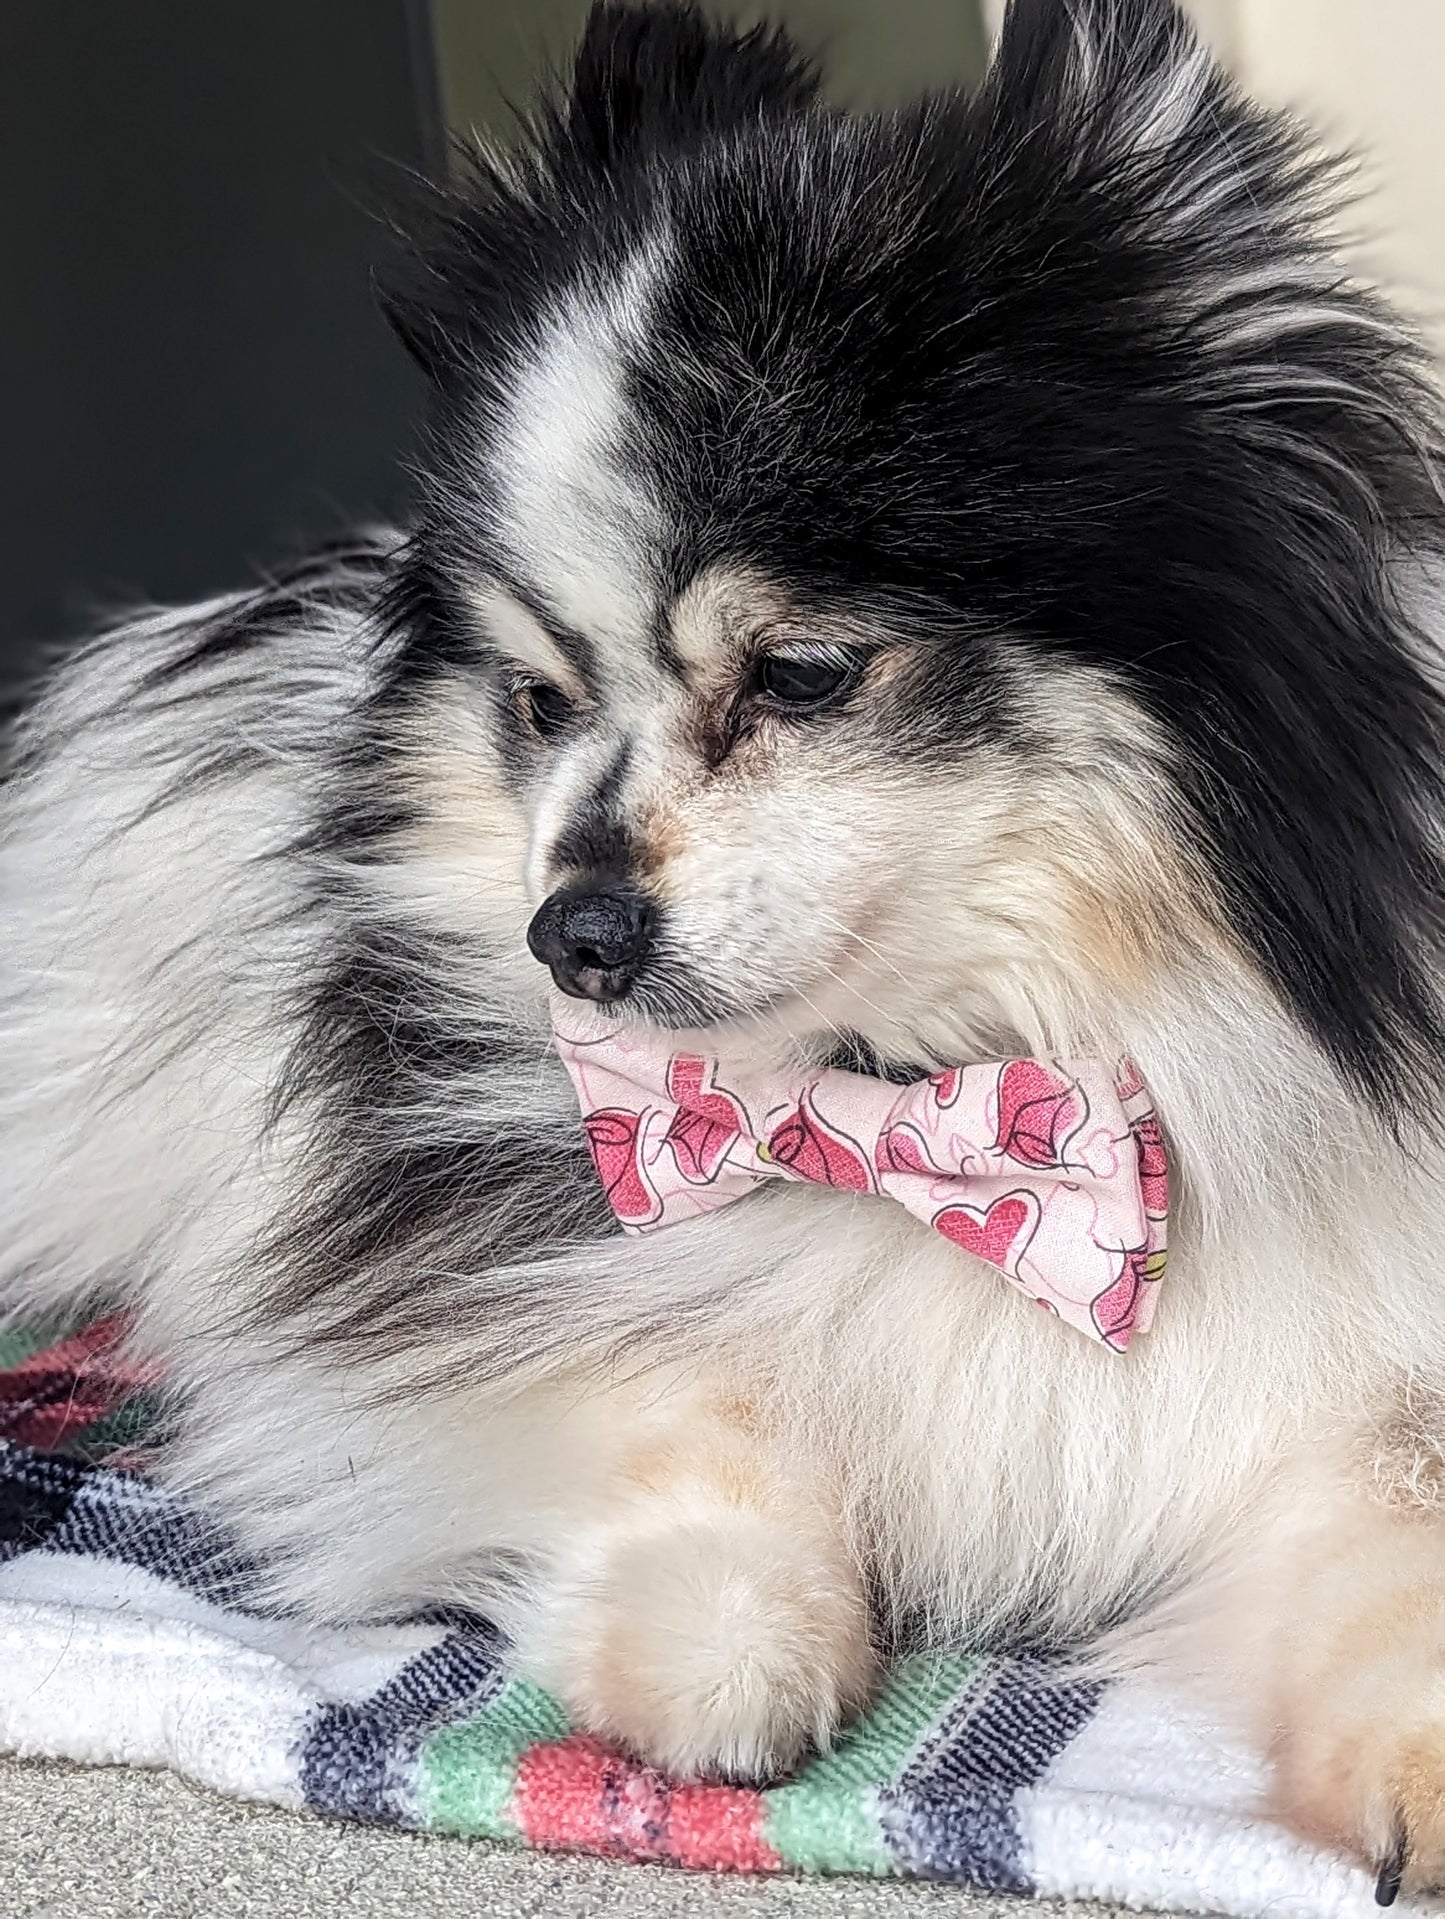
925,574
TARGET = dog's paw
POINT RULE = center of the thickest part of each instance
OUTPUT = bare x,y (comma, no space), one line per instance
720,1649
1366,1768
1408,1836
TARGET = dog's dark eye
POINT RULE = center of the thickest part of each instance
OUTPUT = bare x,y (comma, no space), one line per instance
545,709
803,680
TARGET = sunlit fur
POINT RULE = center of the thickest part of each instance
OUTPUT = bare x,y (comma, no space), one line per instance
1054,408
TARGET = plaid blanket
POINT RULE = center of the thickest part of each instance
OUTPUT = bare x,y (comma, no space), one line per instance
123,1640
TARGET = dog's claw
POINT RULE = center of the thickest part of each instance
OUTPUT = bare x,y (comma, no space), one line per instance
1392,1869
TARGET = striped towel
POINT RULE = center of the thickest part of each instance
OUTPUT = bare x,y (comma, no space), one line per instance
125,1639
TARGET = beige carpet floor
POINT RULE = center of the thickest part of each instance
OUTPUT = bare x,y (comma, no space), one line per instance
79,1843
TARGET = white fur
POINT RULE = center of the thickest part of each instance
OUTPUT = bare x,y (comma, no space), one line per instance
582,522
983,1456
670,1465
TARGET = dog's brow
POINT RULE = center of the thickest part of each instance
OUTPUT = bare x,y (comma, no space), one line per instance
709,613
520,626
664,649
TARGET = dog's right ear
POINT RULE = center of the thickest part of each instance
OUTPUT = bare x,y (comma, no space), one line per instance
651,79
654,77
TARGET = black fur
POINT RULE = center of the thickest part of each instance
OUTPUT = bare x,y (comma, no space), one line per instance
648,83
419,1181
995,362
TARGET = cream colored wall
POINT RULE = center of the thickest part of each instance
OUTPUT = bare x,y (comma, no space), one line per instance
1218,18
1370,74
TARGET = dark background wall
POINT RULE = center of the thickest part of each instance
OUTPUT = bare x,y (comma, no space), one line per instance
875,51
194,373
194,379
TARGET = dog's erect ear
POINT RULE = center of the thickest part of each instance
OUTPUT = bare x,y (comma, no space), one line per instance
1136,34
652,76
1121,98
649,80
1131,73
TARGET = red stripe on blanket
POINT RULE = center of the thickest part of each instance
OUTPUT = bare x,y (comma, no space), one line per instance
581,1793
55,1394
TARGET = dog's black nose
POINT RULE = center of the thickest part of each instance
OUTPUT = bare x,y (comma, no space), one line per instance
594,943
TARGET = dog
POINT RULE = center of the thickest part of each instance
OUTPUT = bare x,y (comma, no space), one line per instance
928,586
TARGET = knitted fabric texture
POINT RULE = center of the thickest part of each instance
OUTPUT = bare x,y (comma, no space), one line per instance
126,1638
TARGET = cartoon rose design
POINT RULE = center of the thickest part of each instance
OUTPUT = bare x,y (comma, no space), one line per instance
614,1138
1038,1110
901,1149
1129,1080
707,1121
1153,1165
810,1149
1116,1308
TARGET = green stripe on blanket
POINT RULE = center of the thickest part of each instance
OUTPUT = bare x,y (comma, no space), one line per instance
826,1819
467,1772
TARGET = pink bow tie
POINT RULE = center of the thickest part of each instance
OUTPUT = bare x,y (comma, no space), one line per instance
1055,1173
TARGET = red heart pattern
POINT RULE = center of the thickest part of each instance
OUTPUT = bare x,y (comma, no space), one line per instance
1055,1173
1000,1235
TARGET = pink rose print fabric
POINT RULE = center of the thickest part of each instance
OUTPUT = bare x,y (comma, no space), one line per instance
1054,1172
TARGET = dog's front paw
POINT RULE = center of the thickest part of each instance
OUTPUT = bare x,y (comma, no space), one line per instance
723,1648
1374,1781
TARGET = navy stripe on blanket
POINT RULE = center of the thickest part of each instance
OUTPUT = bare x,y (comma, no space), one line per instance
952,1812
36,1493
64,1506
358,1760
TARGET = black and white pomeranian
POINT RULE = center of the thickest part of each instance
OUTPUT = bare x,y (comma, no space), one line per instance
932,585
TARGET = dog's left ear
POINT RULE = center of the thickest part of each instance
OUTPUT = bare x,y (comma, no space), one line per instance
1116,114
1122,71
651,79
654,77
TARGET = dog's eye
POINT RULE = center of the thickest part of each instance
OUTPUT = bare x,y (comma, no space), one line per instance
545,709
805,680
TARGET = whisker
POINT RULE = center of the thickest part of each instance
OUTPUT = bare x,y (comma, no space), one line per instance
848,932
858,993
836,1030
